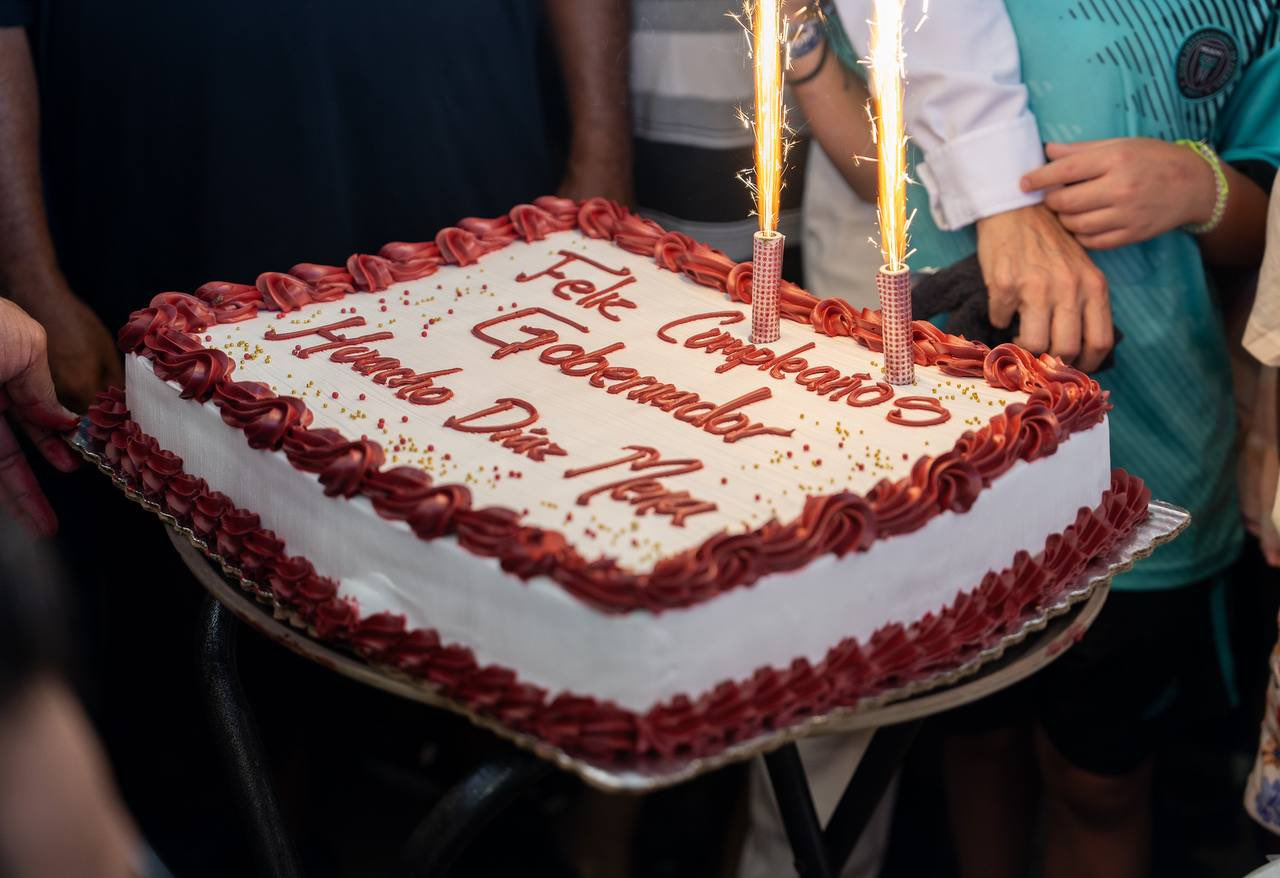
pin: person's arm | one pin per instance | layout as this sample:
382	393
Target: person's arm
1113	193
833	99
591	38
968	112
82	354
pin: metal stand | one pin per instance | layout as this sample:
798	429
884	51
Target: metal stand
466	809
822	853
438	841
240	745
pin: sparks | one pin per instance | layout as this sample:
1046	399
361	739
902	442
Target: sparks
768	27
886	64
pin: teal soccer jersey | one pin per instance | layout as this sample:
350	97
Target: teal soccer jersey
1169	69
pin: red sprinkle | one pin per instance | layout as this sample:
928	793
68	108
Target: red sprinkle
404	419
334	394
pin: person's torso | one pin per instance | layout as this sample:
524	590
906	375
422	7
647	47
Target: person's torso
1164	69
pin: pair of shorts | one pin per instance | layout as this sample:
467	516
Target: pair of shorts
1111	700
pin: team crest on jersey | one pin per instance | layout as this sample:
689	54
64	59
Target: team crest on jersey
1206	62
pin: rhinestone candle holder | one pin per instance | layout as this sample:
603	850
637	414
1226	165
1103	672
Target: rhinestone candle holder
894	288
766	271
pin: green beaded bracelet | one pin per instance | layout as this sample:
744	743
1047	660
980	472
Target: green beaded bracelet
1205	151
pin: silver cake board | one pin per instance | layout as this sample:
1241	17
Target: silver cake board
1038	638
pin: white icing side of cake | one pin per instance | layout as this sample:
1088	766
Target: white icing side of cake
750	481
635	659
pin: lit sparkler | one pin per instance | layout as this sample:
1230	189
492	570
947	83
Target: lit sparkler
893	282
768	37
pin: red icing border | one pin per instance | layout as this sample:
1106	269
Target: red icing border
1062	401
686	725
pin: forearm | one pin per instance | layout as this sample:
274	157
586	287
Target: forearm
27	260
591	38
834	103
1238	241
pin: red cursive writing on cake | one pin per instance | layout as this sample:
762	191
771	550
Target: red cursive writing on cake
826	381
418	388
588	295
510	433
719	419
645	492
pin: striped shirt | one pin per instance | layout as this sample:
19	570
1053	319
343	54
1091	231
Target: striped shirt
690	75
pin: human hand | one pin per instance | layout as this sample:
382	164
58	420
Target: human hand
1034	268
60	813
27	397
82	354
1113	193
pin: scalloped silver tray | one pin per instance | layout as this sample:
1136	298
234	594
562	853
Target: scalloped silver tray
1041	635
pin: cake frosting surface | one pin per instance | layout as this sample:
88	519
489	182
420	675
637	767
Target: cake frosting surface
547	439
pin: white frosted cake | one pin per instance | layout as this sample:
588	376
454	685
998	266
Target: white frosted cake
536	463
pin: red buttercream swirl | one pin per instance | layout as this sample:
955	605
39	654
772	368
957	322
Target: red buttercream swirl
412	261
533	223
342	465
264	417
493	233
370	274
231	302
598	217
176	356
328	282
407	494
460	247
705	265
107	413
283	292
635	234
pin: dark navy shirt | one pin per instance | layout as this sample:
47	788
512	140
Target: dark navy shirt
199	140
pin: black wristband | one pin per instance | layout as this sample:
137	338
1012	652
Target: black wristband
822	62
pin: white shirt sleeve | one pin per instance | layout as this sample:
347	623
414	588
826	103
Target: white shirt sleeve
966	105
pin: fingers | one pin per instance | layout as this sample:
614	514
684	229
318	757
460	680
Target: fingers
1067	327
1099	332
1093	222
1064	171
20	494
30	389
1034	316
1108	240
1002	295
50	443
1060	150
1082	197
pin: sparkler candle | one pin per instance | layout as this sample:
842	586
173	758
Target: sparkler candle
893	281
767	32
766	271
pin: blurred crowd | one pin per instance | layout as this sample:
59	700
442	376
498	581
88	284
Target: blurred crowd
1097	174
